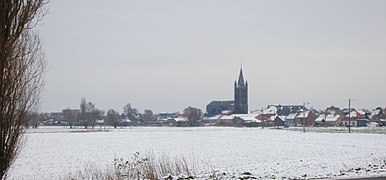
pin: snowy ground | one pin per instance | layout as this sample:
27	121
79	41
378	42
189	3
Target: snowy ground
51	153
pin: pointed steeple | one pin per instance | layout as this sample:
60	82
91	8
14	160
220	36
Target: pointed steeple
241	95
241	78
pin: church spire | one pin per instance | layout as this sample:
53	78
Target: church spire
241	78
241	95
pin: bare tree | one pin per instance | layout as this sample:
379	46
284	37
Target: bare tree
147	116
129	111
113	117
90	115
193	114
22	68
132	113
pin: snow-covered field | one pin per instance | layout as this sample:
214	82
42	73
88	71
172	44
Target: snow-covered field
51	153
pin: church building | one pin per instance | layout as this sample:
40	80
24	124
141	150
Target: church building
241	95
238	106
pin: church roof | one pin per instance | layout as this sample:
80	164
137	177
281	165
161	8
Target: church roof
241	78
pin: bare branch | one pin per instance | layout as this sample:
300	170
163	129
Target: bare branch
22	66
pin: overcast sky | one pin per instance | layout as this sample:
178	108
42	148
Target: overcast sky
167	55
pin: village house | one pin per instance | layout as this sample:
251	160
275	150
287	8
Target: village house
181	121
357	118
329	120
290	119
210	121
162	122
333	116
72	116
307	117
378	116
126	122
227	120
279	121
290	115
265	119
249	120
238	120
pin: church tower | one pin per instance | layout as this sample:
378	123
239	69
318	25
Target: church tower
241	95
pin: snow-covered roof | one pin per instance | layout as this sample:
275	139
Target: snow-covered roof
100	121
291	116
226	112
270	110
181	119
355	114
303	115
361	112
226	117
251	119
243	115
246	117
283	117
255	112
126	120
163	119
212	117
375	112
330	111
327	118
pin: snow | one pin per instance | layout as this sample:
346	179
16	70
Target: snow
181	119
291	116
126	120
270	110
100	121
54	153
356	114
246	117
328	118
226	117
212	118
375	113
303	115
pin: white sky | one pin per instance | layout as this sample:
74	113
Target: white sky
167	55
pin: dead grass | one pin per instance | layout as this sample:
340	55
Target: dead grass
140	166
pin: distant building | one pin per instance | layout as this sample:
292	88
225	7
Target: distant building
279	121
229	120
71	115
217	107
241	95
332	116
329	120
289	109
305	117
377	115
291	115
163	116
354	118
56	116
238	106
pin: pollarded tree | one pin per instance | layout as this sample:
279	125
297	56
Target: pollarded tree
22	66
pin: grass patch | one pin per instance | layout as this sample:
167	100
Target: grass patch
140	167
